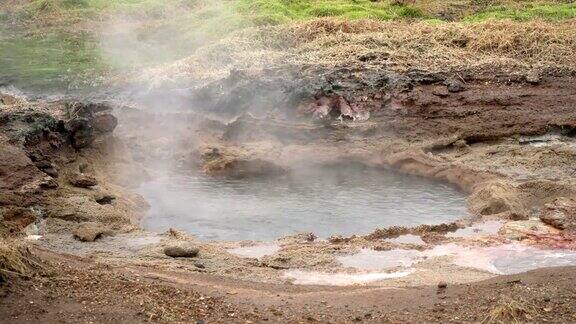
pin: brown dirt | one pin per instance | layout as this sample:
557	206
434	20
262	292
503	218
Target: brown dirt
84	291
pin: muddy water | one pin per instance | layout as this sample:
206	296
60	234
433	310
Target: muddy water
326	201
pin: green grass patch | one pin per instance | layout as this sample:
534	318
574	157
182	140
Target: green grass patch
531	12
51	62
280	11
89	5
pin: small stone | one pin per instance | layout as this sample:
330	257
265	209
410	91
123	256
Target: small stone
441	92
48	183
181	251
89	232
105	123
454	85
533	77
82	180
104	199
442	285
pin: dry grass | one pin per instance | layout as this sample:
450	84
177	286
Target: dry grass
438	46
494	45
16	260
509	310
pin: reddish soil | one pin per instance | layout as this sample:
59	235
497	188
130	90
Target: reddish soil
485	111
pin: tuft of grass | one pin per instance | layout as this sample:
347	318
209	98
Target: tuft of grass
16	260
509	310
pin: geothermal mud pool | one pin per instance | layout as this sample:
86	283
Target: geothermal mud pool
326	200
251	206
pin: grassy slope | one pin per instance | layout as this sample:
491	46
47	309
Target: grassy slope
58	43
282	11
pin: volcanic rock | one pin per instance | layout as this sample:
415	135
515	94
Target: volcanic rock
181	251
86	121
81	132
89	232
47	168
48	183
82	180
494	198
105	123
561	213
454	85
104	199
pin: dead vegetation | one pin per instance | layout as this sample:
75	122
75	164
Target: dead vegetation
16	260
494	45
511	310
438	46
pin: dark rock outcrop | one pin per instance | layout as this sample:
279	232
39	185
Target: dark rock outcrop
87	121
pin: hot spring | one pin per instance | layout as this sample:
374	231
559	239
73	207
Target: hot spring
325	200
